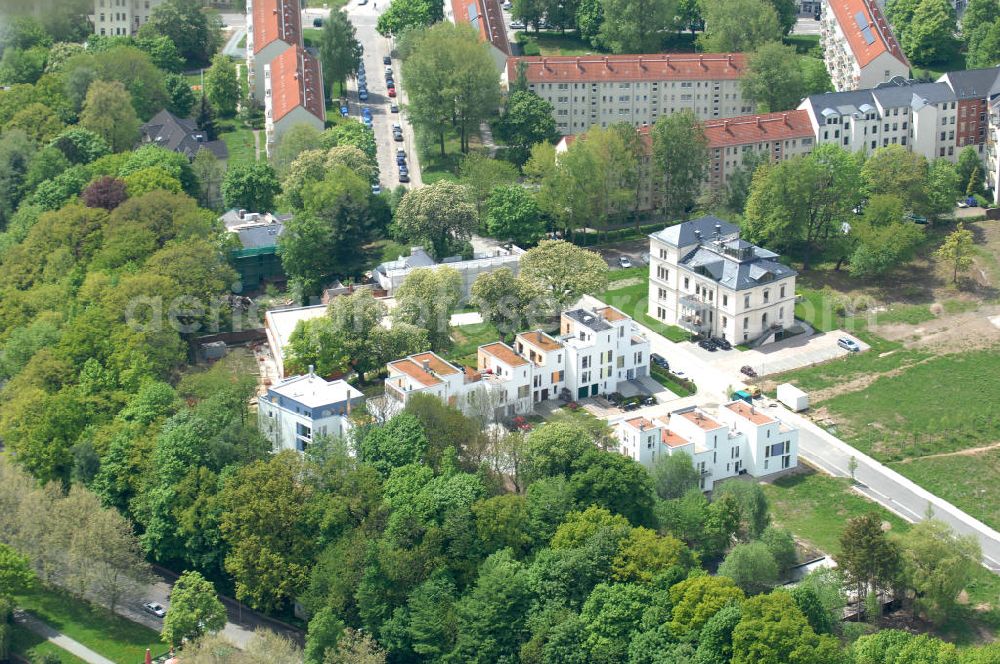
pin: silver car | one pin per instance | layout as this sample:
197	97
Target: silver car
155	609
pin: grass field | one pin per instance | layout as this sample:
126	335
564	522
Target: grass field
33	647
670	383
628	290
467	339
967	481
803	43
116	638
433	165
240	144
554	43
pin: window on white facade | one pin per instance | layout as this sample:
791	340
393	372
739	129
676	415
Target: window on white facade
746	324
746	301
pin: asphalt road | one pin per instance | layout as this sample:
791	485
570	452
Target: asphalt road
376	46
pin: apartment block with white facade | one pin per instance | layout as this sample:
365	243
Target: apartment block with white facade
595	350
605	90
121	17
297	410
859	48
704	278
740	440
293	94
991	155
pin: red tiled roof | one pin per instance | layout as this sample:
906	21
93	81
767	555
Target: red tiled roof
757	128
276	19
610	314
653	67
539	340
504	353
486	17
640	423
741	130
884	41
671	439
415	371
436	364
296	81
703	421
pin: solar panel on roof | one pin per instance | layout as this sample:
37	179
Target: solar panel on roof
866	31
473	13
869	38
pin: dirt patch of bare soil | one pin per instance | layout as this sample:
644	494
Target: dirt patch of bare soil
948	333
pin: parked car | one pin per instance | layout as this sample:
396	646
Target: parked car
386	60
508	5
362	3
366	112
616	398
625	261
392	92
403	170
403	177
388	71
376	188
155	608
747	370
660	361
363	95
848	344
397	136
631	405
344	111
722	343
707	345
389	83
400	159
394	108
367	122
649	401
317	23
517	25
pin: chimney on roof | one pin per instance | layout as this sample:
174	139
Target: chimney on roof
784	118
669	66
578	65
701	61
729	59
545	63
311	369
718	230
607	64
725	125
758	122
642	65
642	425
241	213
538	335
697	235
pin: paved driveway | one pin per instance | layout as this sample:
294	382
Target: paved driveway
795	353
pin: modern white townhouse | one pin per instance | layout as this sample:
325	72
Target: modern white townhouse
608	89
859	48
595	350
121	17
297	410
740	440
704	278
272	27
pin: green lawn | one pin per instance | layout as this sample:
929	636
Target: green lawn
628	290
911	314
467	338
669	382
884	356
33	647
116	638
554	43
935	71
803	43
815	507
240	144
433	165
311	36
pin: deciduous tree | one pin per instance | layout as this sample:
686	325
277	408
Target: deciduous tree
527	119
938	565
564	271
957	251
512	214
339	50
752	567
739	25
870	560
250	186
674	475
426	299
194	609
510	303
774	78
439	214
680	150
631	26
188	27
108	112
481	175
221	86
929	37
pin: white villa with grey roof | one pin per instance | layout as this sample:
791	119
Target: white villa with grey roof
705	279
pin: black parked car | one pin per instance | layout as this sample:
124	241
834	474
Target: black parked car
747	370
723	344
386	60
631	405
649	401
707	345
660	361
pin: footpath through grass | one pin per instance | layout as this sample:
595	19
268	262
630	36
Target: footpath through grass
116	638
32	647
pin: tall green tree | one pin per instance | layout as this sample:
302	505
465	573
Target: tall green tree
674	475
439	215
772	630
956	251
194	609
108	112
221	85
250	186
564	271
883	238
512	214
774	78
409	14
981	31
930	37
636	26
680	151
481	175
968	164
739	25
510	303
426	299
526	119
339	50
752	567
188	26
938	565
181	96
870	560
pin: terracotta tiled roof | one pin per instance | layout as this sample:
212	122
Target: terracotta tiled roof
276	19
745	410
640	423
504	353
654	67
414	371
539	340
296	81
757	128
486	17
671	439
881	38
741	130
702	420
436	364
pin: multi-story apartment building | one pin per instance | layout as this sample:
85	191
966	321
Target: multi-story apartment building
121	17
973	89
293	94
272	27
297	410
991	155
706	279
741	440
859	48
922	117
487	18
731	141
595	350
605	90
